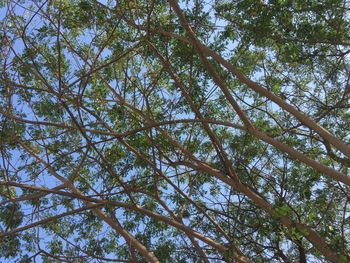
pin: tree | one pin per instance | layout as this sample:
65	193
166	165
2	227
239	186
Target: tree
174	131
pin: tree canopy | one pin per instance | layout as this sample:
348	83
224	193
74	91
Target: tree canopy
174	131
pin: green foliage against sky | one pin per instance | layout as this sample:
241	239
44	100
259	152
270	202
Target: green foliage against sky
174	131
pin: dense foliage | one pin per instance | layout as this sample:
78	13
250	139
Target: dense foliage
174	131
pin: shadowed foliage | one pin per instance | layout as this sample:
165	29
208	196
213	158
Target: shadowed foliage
174	131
